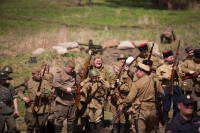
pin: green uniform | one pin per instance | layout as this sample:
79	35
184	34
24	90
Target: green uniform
36	120
64	108
143	92
168	34
7	94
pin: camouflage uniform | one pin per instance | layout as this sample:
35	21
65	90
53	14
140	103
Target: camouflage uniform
7	94
168	34
64	108
36	120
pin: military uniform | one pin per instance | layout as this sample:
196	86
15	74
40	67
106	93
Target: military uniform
95	107
64	108
192	84
7	95
168	34
143	92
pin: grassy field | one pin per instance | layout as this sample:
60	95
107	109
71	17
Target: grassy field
27	25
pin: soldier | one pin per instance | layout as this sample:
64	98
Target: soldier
168	34
164	75
142	93
121	88
192	67
36	115
185	121
9	70
144	55
95	107
64	83
190	53
7	100
121	57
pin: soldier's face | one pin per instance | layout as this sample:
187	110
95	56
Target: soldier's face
144	54
169	59
36	76
186	109
81	73
98	63
191	53
95	78
69	70
122	60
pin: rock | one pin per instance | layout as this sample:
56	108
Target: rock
76	50
110	43
125	45
60	50
69	45
137	43
155	48
38	51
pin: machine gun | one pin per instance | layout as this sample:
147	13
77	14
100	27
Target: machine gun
173	71
95	48
149	58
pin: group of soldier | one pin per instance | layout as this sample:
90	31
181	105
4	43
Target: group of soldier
134	91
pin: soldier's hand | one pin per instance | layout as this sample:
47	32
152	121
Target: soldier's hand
167	77
117	80
68	90
191	72
16	112
199	76
127	67
112	86
109	97
82	83
25	99
90	52
175	68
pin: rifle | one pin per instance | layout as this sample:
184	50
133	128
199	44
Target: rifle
38	99
84	74
189	76
22	83
89	99
149	58
172	74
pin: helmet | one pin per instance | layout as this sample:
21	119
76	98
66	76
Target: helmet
93	73
3	75
8	69
121	56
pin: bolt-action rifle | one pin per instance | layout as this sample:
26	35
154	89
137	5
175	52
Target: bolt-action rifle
173	71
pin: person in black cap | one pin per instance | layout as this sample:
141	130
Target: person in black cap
191	68
190	53
185	121
164	75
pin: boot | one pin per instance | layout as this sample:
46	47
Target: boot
122	128
116	128
58	129
50	126
91	127
70	128
166	118
98	126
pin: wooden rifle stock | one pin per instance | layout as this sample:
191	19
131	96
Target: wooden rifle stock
189	76
172	73
79	87
37	99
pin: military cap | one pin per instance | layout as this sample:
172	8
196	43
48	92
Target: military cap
143	67
188	49
97	56
36	70
143	47
8	68
197	53
3	74
71	63
186	99
148	62
167	54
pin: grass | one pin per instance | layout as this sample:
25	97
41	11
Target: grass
28	25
